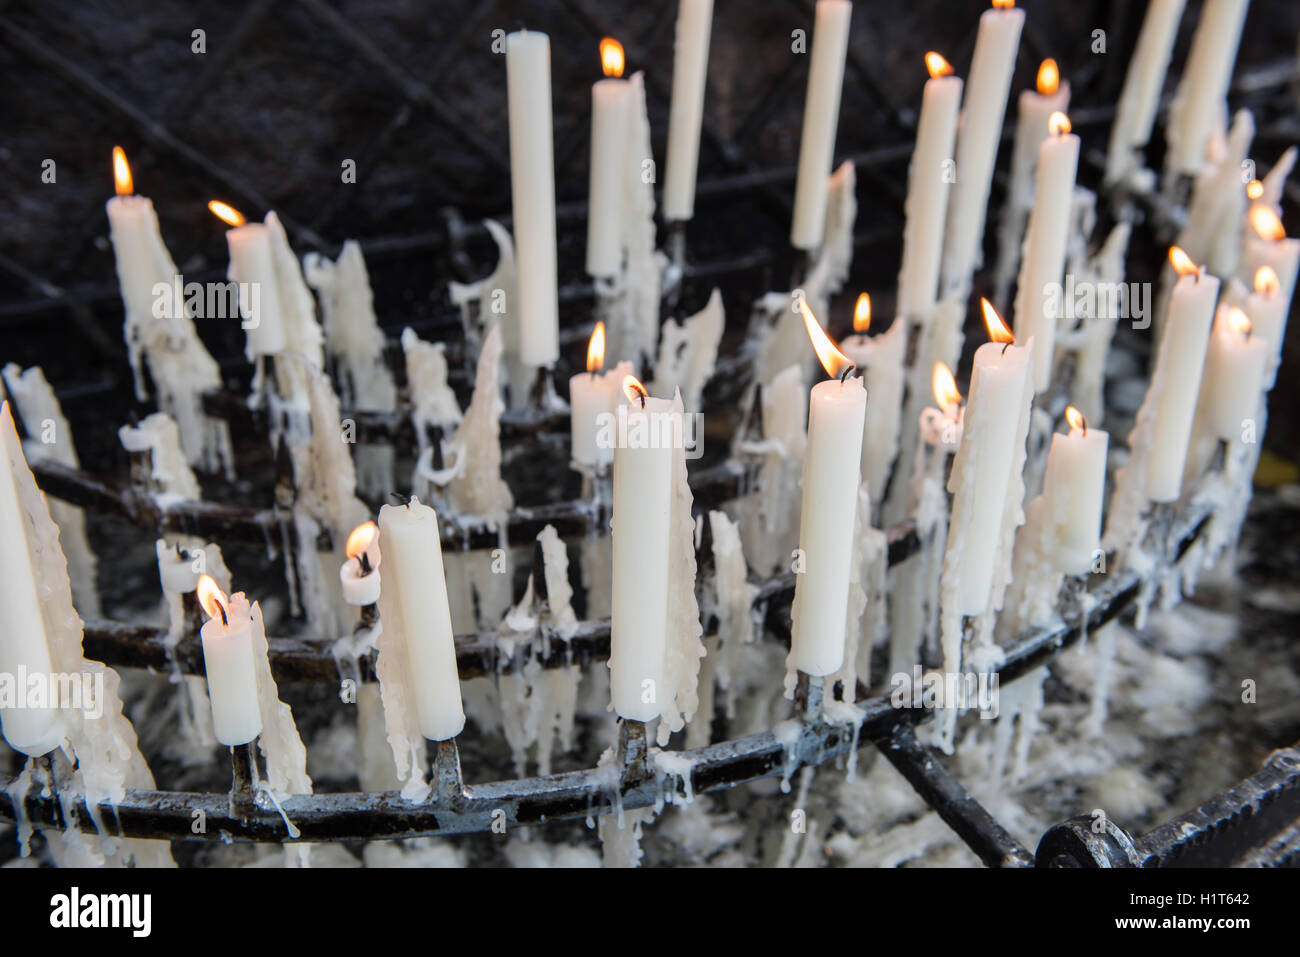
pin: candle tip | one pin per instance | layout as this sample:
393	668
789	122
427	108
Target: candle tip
862	313
997	329
831	358
1049	77
1267	224
1076	419
226	213
937	65
611	57
596	349
122	173
1058	124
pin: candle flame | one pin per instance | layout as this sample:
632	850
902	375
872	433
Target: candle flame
1049	77
1003	4
611	57
1058	124
862	314
832	360
937	65
1239	322
1266	282
998	330
1254	189
211	598
596	349
226	213
1182	262
361	538
1266	222
634	390
122	173
945	387
1076	419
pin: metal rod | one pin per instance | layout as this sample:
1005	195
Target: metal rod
632	750
449	787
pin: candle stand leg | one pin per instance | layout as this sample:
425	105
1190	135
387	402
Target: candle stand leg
449	786
809	691
676	274
632	750
369	616
242	773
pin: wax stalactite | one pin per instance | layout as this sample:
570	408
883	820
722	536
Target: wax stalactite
227	639
359	574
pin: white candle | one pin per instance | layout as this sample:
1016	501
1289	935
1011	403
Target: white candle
611	120
928	181
831	476
1073	483
999	383
1204	84
686	112
1044	264
593	397
359	573
415	608
532	190
880	362
1234	372
1266	244
24	651
176	569
228	660
1034	113
1177	376
821	114
1136	112
1267	310
983	110
252	262
643	473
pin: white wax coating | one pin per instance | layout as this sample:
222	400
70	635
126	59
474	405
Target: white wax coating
880	362
928	185
821	114
232	680
23	646
1074	482
252	260
1178	371
1044	262
611	112
1136	112
686	112
643	472
991	421
1204	84
983	110
412	544
532	190
1267	316
358	589
1234	375
831	475
133	230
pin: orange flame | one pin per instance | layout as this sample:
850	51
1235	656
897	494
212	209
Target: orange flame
1238	322
122	173
1266	282
862	313
937	65
634	390
1076	419
1182	262
361	538
1049	77
211	598
945	387
1058	124
998	330
1254	189
611	57
1003	4
1266	222
596	349
226	213
832	360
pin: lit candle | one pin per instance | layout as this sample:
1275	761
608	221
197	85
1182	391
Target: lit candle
252	261
1034	114
359	573
880	359
821	114
643	476
1176	379
983	110
1267	311
611	113
686	110
1135	114
1266	244
23	647
928	181
227	639
532	190
593	395
1234	372
1073	482
1044	264
837	409
414	610
1204	84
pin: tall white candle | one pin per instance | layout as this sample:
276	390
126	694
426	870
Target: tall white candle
1043	267
1204	85
1234	372
831	475
24	651
414	607
252	262
643	474
1074	481
928	181
821	114
1177	375
686	110
983	110
1267	310
880	362
1033	117
611	120
1135	114
228	660
532	190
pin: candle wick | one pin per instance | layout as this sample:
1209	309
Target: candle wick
847	371
364	561
1005	347
222	608
642	403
